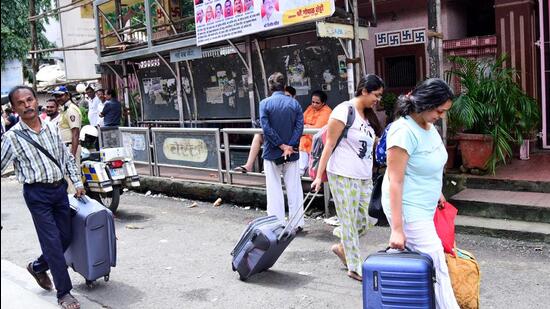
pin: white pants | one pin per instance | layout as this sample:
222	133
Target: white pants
293	185
421	236
304	162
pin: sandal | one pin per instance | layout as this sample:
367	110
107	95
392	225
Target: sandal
354	275
241	169
43	279
68	302
339	251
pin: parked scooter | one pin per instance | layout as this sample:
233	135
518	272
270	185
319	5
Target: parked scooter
105	173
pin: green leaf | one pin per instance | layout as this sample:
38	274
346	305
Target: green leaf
16	29
491	102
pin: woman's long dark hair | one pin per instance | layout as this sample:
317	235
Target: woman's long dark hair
370	83
427	95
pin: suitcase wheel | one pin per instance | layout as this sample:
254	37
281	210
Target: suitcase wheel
106	278
242	278
89	283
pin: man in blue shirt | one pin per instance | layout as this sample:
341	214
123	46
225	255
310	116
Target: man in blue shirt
112	112
282	124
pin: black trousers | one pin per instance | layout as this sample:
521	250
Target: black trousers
49	207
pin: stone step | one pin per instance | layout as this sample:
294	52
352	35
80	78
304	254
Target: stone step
519	230
498	204
479	182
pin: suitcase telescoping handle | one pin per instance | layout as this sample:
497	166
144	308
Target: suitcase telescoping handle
83	199
296	215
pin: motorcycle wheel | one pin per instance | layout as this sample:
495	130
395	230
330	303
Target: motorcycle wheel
109	199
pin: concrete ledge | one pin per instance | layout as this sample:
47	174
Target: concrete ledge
478	182
525	206
204	191
519	230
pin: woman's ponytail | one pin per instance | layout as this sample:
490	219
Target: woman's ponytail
405	105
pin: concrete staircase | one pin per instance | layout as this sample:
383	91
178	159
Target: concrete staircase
514	209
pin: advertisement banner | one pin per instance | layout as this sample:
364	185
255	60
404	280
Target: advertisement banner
218	20
78	26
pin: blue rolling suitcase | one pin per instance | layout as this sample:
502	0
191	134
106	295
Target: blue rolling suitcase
262	243
92	252
404	279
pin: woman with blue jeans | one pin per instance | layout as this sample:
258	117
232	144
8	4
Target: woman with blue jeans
412	185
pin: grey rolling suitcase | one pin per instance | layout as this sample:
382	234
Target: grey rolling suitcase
92	251
262	243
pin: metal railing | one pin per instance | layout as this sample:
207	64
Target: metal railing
244	131
138	140
197	149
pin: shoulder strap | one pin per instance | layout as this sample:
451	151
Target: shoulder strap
349	123
350	120
39	147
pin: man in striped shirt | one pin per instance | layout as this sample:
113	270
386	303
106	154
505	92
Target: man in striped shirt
44	190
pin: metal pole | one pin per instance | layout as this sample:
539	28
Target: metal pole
192	81
227	158
358	66
350	69
148	22
250	80
34	63
262	66
434	7
126	92
543	76
140	95
179	94
435	49
98	31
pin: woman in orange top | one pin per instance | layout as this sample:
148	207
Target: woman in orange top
315	116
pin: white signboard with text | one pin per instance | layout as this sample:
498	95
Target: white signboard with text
78	26
218	20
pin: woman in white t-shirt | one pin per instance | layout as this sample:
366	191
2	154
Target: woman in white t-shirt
349	169
414	178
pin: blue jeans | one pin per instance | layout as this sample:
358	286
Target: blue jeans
51	214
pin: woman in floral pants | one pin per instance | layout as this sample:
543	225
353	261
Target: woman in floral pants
348	163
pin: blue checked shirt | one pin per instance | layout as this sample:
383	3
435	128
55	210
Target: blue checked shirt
30	164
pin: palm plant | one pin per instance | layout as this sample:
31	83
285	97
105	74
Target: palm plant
492	103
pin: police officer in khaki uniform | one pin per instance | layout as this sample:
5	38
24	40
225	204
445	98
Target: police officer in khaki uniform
70	122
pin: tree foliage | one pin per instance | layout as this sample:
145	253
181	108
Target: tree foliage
16	29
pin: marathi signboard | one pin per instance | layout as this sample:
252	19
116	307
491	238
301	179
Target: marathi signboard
218	20
331	30
183	54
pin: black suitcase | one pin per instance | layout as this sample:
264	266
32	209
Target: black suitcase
262	243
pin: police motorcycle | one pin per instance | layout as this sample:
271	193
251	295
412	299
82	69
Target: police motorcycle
105	173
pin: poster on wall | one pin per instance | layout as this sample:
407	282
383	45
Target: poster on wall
159	90
218	20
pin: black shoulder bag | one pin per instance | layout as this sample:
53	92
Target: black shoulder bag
375	204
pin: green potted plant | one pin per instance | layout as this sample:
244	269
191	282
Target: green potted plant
387	103
492	110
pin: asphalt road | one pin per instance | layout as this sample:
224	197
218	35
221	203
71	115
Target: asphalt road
173	256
